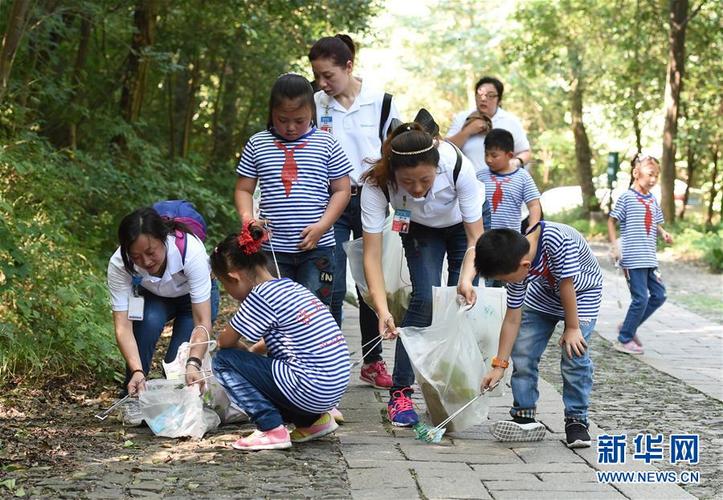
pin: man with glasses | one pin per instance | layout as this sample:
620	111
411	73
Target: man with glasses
468	130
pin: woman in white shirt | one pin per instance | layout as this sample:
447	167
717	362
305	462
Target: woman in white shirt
152	281
444	217
355	113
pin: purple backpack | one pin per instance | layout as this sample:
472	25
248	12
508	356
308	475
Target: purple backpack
184	212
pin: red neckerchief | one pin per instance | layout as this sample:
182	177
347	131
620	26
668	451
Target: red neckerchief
290	170
498	194
647	203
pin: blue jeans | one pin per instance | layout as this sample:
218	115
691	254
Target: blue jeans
535	332
350	223
249	383
425	249
157	311
641	281
313	269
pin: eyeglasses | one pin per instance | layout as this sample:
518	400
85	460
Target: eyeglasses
490	95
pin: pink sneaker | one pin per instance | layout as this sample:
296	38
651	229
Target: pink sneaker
376	374
338	416
323	426
275	439
628	347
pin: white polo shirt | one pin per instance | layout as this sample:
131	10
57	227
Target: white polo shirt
356	128
474	148
179	279
444	205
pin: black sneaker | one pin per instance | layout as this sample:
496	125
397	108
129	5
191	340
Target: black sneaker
518	429
576	433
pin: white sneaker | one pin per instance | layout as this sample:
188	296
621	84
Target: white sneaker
509	430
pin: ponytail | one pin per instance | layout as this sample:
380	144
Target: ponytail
240	251
339	49
407	146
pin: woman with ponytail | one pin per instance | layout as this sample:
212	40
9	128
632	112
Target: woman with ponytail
358	115
305	370
444	215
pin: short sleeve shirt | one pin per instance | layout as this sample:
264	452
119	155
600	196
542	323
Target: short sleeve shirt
310	356
506	194
561	253
639	216
294	179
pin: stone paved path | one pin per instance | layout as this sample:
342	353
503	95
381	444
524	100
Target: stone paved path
387	462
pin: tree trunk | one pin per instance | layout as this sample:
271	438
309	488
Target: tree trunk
11	40
228	115
80	59
678	11
713	192
689	180
136	70
583	153
190	107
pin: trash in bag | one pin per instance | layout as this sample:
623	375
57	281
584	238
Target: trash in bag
448	366
176	410
214	395
397	283
484	318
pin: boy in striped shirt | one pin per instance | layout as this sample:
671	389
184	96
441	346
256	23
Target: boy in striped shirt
551	276
508	187
640	219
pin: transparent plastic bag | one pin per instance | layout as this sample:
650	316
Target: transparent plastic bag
397	283
172	409
484	318
448	365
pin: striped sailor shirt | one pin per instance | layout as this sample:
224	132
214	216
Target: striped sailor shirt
506	194
561	253
294	181
310	356
639	216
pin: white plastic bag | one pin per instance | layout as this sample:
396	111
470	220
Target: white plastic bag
173	409
484	318
448	366
397	283
214	395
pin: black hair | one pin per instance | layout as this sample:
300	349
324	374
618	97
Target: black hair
339	48
291	86
406	138
496	83
499	251
229	254
499	138
146	221
637	160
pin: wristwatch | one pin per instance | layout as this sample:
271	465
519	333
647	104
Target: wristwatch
499	363
522	163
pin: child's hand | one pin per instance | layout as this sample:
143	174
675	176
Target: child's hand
573	342
667	237
492	377
310	236
615	251
387	328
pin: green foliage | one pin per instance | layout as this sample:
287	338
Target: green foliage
592	227
693	240
71	166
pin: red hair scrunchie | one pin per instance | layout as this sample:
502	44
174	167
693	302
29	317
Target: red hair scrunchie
246	241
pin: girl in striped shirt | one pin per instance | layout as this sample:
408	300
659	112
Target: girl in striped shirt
305	370
303	174
640	218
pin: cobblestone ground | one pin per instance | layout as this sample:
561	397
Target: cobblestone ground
75	456
631	396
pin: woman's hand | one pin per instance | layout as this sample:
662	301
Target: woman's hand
137	383
194	376
387	328
466	290
476	126
492	377
310	236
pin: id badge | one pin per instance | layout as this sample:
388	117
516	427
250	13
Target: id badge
325	123
135	307
402	219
